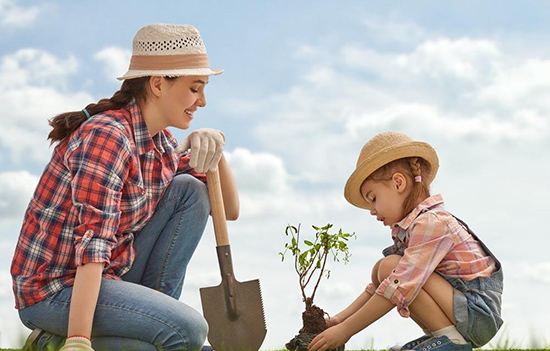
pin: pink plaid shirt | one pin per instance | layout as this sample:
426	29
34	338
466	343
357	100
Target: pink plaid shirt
431	240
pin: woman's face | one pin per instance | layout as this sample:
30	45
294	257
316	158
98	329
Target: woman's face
180	99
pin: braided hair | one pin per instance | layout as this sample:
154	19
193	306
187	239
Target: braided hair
66	123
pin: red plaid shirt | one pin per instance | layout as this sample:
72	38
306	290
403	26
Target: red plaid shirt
431	240
101	186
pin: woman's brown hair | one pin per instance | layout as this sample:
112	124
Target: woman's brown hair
66	123
411	167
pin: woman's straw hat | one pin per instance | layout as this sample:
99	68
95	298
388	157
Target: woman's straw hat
168	50
381	150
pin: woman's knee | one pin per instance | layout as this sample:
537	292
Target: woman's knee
386	266
196	330
192	191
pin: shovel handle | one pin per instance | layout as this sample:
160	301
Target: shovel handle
216	207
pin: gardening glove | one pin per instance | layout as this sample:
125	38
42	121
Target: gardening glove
77	343
206	148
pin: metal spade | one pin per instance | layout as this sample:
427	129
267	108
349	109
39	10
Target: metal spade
234	310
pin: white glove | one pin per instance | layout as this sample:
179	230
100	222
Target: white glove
77	343
206	148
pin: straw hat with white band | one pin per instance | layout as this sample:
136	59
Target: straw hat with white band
168	50
381	150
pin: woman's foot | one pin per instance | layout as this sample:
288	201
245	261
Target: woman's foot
30	344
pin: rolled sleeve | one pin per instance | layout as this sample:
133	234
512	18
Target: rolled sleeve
98	165
392	290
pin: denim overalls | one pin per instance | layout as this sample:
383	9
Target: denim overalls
477	303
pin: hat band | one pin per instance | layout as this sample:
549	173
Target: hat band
168	62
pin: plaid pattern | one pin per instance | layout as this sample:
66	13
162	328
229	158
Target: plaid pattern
101	186
430	239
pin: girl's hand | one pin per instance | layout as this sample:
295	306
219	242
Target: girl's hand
77	344
330	338
332	321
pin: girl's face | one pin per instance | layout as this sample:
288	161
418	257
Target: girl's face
386	198
180	99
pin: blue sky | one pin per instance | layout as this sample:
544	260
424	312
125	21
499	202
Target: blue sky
306	84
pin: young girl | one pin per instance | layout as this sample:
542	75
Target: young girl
437	272
118	212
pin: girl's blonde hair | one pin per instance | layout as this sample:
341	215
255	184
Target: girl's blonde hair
411	167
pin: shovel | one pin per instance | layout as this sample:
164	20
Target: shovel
234	310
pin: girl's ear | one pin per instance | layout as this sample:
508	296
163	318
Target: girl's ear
399	182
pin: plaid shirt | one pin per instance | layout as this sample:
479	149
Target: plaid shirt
101	186
430	239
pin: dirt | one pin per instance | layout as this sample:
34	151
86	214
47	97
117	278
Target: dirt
313	319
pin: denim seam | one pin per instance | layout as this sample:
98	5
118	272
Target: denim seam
161	283
129	310
148	316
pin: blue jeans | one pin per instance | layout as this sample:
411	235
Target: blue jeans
142	311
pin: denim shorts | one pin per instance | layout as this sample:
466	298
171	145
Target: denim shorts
477	303
477	307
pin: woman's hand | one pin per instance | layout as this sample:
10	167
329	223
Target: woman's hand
206	148
76	343
331	338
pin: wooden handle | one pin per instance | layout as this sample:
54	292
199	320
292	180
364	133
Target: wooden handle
216	207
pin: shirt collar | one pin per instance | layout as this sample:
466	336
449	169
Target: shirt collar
143	140
428	204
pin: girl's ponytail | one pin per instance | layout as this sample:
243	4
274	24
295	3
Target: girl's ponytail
66	123
420	190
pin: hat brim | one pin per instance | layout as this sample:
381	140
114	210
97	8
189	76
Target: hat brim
352	190
172	73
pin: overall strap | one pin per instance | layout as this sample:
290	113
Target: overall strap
465	226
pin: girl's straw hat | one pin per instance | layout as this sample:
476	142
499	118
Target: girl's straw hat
168	50
381	150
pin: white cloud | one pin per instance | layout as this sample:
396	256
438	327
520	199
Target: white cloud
538	272
398	31
32	90
258	172
16	189
13	15
116	61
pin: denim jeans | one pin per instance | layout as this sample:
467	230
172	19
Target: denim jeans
142	311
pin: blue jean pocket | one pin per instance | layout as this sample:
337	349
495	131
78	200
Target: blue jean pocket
485	320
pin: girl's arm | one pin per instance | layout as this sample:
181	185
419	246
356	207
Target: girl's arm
84	299
331	338
359	302
229	190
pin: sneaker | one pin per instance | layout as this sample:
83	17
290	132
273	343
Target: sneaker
411	344
34	336
442	343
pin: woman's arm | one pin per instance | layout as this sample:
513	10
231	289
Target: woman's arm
84	299
229	190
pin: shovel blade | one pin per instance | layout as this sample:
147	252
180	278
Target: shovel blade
240	327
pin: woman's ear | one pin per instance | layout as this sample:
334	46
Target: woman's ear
155	85
399	182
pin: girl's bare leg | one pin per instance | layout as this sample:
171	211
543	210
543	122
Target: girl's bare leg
433	307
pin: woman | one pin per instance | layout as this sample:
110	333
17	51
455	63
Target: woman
118	211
